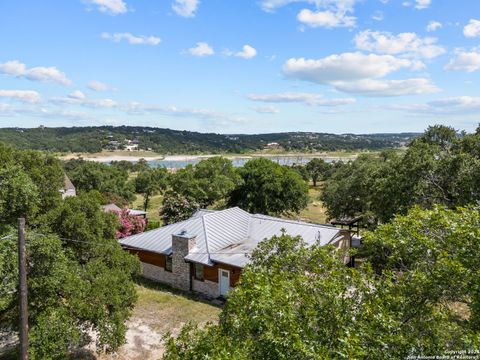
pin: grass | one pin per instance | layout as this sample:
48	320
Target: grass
153	206
315	212
166	309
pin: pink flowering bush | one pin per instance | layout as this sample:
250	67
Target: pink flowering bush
129	224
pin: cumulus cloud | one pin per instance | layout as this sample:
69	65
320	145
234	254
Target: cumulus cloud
370	87
111	7
132	39
445	106
97	85
28	96
247	52
346	67
327	13
434	26
464	61
266	110
186	8
298	97
202	49
327	19
39	73
472	29
405	44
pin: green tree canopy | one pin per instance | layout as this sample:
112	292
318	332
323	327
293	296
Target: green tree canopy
317	169
269	188
440	167
207	182
151	182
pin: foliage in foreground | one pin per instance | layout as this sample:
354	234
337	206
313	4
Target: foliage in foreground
295	302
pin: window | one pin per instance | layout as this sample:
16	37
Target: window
168	263
198	272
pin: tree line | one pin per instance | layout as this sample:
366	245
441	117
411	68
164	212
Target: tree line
167	141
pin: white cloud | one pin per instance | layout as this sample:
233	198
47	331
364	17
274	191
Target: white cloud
97	85
266	110
111	7
434	26
186	8
327	19
445	106
346	67
132	39
306	98
422	4
39	73
80	99
464	61
369	87
29	96
377	15
406	44
472	29
327	13
202	49
247	52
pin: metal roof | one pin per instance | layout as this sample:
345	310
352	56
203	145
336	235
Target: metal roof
228	236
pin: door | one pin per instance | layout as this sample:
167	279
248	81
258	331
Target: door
223	281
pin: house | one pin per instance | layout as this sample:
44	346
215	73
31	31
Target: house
115	208
68	188
207	252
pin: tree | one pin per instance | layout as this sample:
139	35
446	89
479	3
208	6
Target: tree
19	196
151	182
176	208
439	167
208	182
269	188
318	169
111	181
299	302
67	300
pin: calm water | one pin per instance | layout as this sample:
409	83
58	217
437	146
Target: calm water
282	160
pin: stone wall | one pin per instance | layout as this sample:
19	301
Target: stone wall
157	273
208	288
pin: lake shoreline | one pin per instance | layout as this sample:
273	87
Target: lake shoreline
196	158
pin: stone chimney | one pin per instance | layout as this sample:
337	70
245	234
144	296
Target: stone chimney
182	243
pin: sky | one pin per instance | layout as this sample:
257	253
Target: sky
241	66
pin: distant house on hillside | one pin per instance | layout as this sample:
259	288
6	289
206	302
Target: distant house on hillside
68	188
273	145
207	252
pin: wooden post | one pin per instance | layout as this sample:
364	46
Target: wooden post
22	272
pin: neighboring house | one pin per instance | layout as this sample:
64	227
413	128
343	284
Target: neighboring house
115	208
68	188
206	253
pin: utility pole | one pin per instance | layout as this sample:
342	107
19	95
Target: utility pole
22	271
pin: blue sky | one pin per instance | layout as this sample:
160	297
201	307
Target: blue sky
242	66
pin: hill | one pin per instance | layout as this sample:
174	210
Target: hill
167	141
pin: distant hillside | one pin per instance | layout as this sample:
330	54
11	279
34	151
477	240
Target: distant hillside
166	141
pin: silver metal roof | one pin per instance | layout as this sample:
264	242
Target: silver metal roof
228	236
